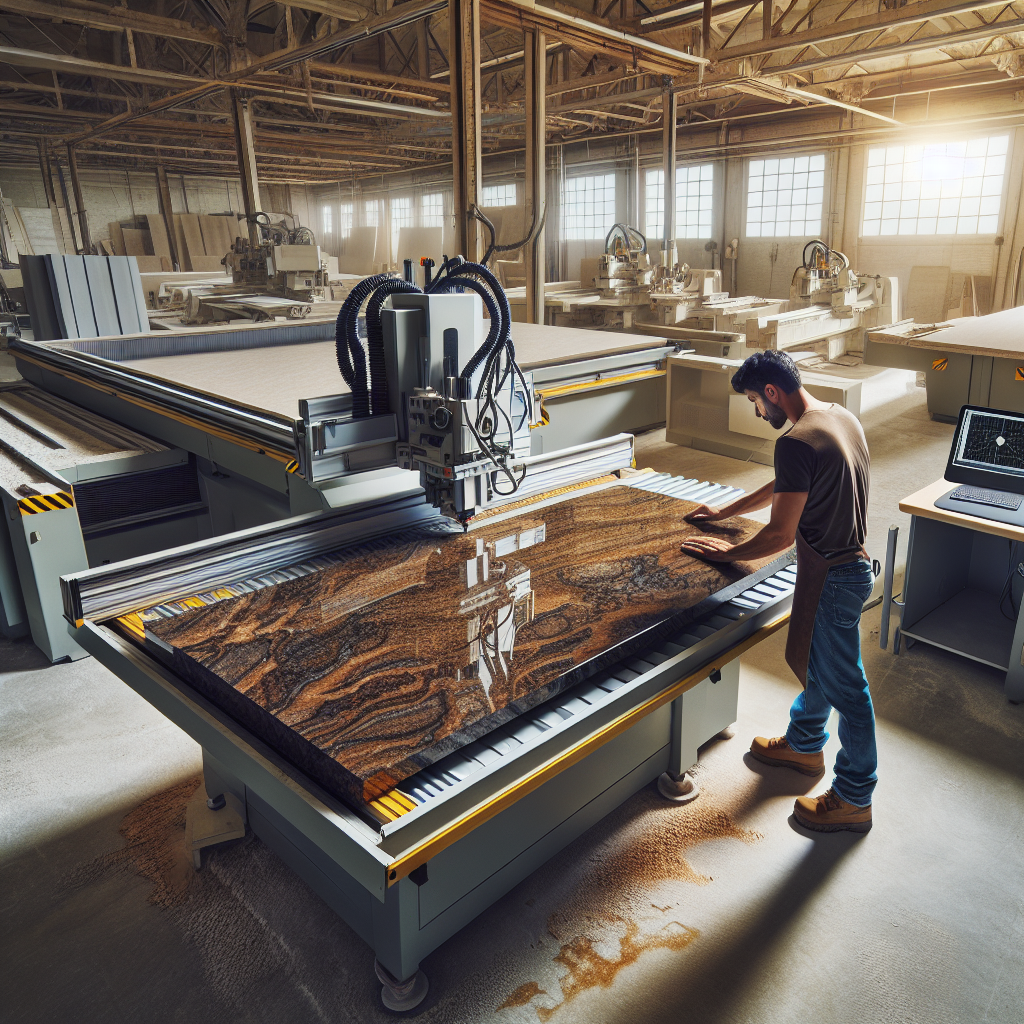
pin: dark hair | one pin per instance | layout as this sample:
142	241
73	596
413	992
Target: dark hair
767	367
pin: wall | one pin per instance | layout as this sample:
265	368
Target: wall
120	195
844	139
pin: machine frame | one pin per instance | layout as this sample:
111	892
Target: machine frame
407	885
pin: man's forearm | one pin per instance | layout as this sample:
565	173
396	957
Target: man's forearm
761	498
765	542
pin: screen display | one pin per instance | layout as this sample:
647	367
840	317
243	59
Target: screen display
991	441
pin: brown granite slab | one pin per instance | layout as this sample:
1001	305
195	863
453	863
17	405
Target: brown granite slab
364	672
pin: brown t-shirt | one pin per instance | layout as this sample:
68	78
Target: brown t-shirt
826	455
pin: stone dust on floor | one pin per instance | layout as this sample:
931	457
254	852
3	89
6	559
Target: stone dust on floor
717	911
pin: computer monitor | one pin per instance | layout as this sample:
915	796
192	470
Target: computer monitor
988	449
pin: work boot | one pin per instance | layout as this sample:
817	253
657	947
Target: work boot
831	813
778	752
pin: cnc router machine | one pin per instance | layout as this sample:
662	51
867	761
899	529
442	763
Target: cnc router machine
452	680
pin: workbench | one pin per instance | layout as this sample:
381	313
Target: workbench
976	360
704	412
957	568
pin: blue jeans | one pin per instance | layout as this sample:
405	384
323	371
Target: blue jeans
835	679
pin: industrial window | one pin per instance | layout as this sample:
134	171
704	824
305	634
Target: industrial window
432	210
371	210
345	212
499	195
785	197
401	217
654	204
694	191
327	220
948	188
589	207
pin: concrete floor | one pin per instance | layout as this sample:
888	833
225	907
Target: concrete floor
719	911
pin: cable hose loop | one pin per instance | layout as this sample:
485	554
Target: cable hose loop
346	333
375	340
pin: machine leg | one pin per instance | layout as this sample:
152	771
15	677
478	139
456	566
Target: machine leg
211	821
400	996
680	789
677	784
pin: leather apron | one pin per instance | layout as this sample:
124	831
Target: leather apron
811	571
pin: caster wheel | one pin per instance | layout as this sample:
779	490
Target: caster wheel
401	996
679	791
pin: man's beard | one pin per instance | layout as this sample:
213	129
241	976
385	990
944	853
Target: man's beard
775	416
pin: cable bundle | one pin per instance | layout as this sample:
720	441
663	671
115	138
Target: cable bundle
496	355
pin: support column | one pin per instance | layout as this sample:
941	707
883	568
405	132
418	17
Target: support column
464	62
246	150
705	29
61	227
536	113
44	168
422	52
164	193
766	19
76	189
669	111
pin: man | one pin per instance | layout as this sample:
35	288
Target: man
819	498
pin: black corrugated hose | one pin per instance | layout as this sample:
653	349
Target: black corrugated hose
375	340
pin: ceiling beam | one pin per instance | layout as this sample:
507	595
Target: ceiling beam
773	89
690	12
592	36
113	19
279	60
335	9
940	41
354	72
71	65
912	14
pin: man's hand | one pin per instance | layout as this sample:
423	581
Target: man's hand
711	549
705	514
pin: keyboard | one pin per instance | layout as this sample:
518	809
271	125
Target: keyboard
983	496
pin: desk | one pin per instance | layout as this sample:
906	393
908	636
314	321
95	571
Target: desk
957	567
968	361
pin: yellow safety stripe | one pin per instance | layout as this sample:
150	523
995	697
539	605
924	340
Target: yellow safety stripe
36	503
292	467
601	382
133	624
391	805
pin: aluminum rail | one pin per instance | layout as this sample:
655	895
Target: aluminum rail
264	432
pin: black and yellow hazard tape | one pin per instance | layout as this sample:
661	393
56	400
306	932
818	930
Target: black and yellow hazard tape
37	503
940	364
292	467
391	805
1019	375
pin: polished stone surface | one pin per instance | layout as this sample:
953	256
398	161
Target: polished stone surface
367	671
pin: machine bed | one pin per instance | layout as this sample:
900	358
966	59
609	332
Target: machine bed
411	868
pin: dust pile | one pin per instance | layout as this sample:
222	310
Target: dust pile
522	995
261	936
154	847
587	968
604	922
